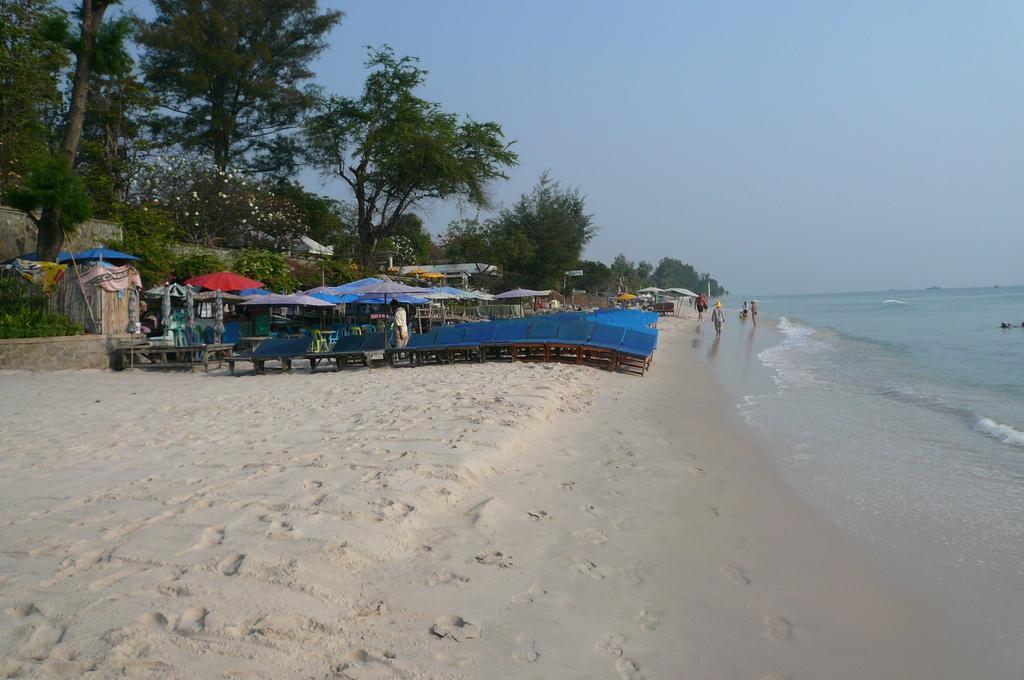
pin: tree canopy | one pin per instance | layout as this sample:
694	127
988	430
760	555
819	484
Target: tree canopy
395	150
233	75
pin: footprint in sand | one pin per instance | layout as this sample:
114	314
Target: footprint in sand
211	536
20	611
494	558
611	645
735	574
591	535
587	568
568	486
154	620
648	619
44	638
454	627
446	577
192	621
711	510
230	565
628	669
538	515
312	484
590	510
778	628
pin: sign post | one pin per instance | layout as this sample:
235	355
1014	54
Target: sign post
570	273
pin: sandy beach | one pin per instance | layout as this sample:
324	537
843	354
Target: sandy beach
467	521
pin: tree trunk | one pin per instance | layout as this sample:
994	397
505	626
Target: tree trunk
51	235
368	254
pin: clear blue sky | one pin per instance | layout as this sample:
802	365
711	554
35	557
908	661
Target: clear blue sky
782	146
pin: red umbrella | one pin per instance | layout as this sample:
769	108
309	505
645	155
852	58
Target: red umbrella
226	281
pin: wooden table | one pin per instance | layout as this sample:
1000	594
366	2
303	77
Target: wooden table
249	342
150	356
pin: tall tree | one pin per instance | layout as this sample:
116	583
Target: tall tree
542	235
31	65
395	150
94	46
233	73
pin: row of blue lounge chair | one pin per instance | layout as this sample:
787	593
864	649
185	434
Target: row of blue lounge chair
609	346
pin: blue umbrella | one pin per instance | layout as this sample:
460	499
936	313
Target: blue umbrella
327	297
99	254
63	256
356	286
254	291
381	299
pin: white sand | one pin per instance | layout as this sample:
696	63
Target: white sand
461	521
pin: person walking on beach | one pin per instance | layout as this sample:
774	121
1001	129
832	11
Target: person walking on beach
718	318
753	311
702	305
744	312
401	327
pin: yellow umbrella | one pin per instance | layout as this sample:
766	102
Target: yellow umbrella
416	272
432	275
627	296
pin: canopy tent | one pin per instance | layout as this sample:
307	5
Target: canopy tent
441	295
521	293
330	290
226	281
210	295
355	286
375	299
175	290
682	291
294	300
651	289
479	295
249	292
326	297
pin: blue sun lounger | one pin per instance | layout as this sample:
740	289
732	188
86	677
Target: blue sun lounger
569	341
534	346
605	341
444	339
471	346
273	349
417	342
634	356
505	334
344	347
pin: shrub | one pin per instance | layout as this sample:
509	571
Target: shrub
24	315
195	264
149	233
270	269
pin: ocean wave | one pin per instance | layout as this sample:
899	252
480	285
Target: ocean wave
893	302
1003	433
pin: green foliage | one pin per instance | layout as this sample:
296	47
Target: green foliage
198	263
270	269
149	233
467	241
233	73
395	150
597	277
541	236
325	218
31	68
23	315
673	273
51	184
410	242
330	272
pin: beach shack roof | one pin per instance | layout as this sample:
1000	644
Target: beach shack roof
458	269
682	291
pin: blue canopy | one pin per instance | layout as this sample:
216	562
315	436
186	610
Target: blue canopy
356	286
63	256
327	297
254	291
378	299
100	254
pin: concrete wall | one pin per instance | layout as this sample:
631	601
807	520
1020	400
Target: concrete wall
52	354
18	234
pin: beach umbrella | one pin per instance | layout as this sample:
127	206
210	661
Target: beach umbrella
176	290
651	289
165	306
520	293
99	254
326	297
218	317
254	291
625	297
294	300
356	286
133	311
190	311
374	299
228	281
389	288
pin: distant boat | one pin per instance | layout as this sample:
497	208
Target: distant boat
934	288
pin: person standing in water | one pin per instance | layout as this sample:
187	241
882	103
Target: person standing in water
718	318
753	311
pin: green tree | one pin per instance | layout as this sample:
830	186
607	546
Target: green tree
52	185
31	65
97	47
597	277
270	269
410	241
643	273
196	263
395	150
149	234
673	273
467	240
232	75
623	273
541	236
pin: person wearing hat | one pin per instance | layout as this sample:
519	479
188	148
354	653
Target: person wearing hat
718	317
401	327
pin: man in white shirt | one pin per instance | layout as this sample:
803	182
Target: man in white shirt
401	326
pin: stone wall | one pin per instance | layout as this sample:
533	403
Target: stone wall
18	234
52	354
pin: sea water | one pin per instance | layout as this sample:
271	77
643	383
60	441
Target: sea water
900	415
